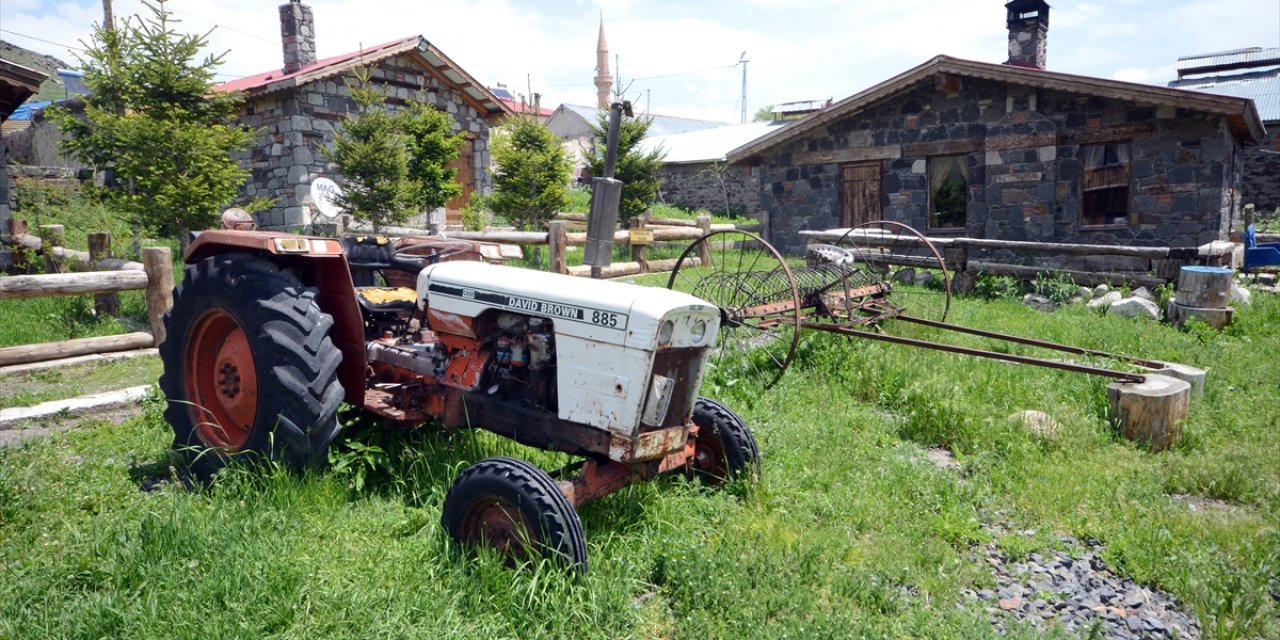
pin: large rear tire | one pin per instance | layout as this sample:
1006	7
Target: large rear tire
516	508
249	368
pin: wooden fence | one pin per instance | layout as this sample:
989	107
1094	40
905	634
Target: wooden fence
154	275
561	234
1164	263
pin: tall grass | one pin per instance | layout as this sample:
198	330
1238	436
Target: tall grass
850	532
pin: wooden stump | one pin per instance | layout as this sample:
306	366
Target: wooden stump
1214	317
158	263
1150	413
100	249
1205	287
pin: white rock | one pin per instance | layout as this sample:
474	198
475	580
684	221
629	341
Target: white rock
1144	293
1039	422
1085	293
1100	290
1136	308
1105	299
1241	295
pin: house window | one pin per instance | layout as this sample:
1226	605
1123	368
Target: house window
948	182
1105	197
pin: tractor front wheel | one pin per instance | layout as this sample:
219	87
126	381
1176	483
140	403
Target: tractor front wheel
249	367
516	508
725	447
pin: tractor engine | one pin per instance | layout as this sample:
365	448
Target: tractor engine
542	349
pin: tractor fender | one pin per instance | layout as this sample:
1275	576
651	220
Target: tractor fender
316	262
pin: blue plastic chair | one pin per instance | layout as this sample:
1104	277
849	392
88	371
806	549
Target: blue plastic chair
1259	255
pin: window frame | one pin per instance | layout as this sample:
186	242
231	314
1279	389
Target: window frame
962	160
1122	150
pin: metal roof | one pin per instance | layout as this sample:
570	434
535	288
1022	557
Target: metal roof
660	125
706	145
1263	87
1227	60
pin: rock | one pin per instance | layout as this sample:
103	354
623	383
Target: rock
1144	293
1039	303
1265	279
1100	290
1105	299
1039	422
1009	604
1084	293
1075	300
1241	295
1136	308
906	276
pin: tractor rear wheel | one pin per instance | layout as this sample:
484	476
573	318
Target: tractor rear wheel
249	367
516	508
725	447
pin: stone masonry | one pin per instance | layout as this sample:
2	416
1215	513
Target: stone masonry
1022	149
711	186
1261	186
296	128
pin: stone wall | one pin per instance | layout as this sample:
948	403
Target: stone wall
699	186
1021	147
1261	186
296	127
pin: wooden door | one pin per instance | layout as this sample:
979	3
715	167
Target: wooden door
860	193
465	166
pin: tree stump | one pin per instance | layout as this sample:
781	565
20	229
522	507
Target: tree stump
1150	413
1207	287
1188	374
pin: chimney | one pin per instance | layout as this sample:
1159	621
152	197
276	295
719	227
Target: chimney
1028	32
298	35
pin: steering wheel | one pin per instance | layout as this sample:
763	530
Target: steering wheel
444	249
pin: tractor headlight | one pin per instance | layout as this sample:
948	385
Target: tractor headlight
698	332
664	333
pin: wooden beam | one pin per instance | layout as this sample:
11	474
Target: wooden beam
62	284
1086	278
78	347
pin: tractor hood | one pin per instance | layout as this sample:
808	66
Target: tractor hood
600	310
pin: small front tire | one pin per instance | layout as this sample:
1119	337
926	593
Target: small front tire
516	508
725	447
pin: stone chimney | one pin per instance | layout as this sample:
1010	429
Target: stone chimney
298	35
1028	32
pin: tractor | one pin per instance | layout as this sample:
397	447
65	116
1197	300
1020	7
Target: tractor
270	333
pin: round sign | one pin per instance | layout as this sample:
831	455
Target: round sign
325	194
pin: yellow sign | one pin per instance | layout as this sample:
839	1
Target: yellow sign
641	236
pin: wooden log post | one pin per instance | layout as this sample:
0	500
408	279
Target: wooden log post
1248	215
558	238
1150	413
158	264
704	248
100	249
24	354
53	235
638	250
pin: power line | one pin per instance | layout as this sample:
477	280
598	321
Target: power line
56	44
223	26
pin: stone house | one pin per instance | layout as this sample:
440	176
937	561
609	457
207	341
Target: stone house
296	108
17	83
1252	73
1011	151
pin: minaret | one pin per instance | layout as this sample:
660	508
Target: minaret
604	81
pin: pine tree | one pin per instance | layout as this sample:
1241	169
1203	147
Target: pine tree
531	182
637	171
153	121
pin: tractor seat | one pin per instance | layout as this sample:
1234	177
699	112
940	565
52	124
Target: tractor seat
384	299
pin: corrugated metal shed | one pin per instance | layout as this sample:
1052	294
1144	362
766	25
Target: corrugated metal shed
661	126
706	145
1243	73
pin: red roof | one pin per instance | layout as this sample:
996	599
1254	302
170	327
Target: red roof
524	109
427	54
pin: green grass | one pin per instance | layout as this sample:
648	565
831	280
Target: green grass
850	532
34	387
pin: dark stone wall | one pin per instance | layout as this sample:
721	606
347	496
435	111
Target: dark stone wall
1261	186
1021	146
296	128
708	185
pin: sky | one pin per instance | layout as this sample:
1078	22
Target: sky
681	58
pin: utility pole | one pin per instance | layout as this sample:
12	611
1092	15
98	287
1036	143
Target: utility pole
742	60
108	22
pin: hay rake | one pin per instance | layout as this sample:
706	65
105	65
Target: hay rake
877	279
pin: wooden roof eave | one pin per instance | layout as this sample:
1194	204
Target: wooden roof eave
1240	111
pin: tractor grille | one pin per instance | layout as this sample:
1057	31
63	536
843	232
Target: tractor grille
681	365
